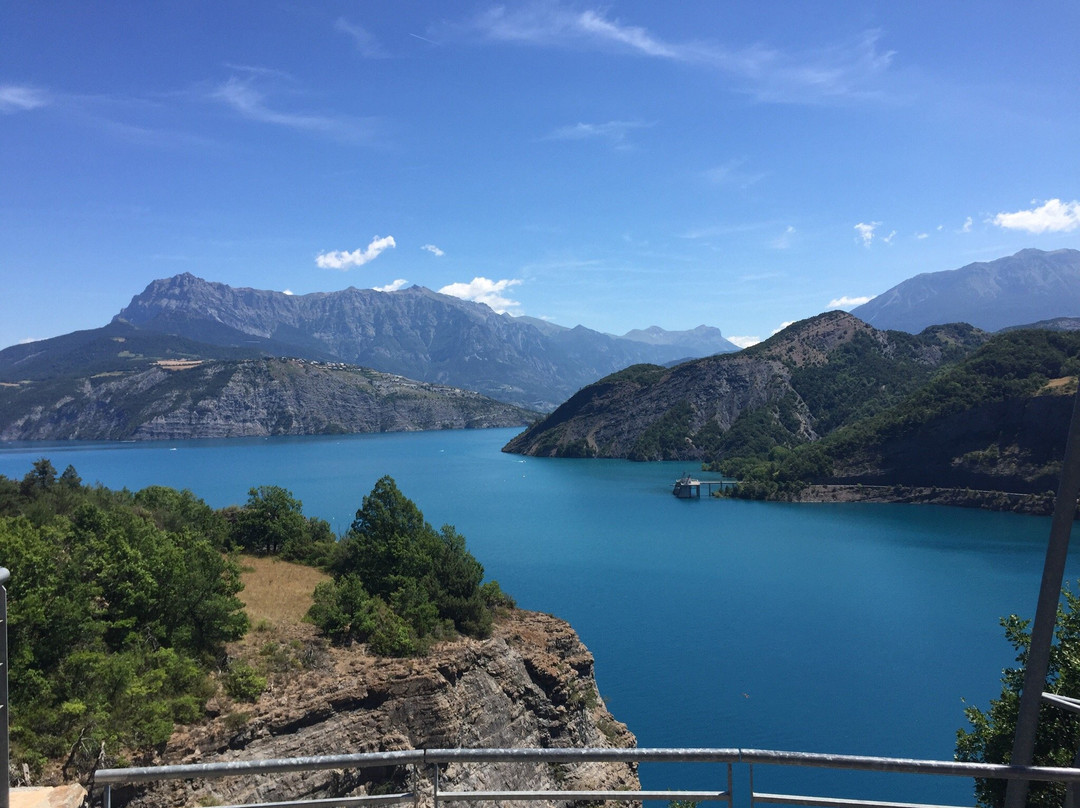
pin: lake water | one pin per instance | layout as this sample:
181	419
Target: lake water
846	628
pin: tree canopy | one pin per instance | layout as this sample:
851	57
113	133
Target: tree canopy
990	737
399	583
118	605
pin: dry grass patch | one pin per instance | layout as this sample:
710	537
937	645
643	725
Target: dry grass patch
277	592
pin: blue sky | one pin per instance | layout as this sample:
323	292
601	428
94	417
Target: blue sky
617	165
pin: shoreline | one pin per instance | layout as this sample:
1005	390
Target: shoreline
1031	504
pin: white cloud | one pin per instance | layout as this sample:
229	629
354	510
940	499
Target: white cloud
344	260
431	248
1054	216
400	283
966	226
866	232
922	236
783	326
365	43
744	342
847	69
888	239
15	98
615	132
287	292
846	302
483	290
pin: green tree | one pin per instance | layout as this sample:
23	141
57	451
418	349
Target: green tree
399	583
990	738
271	519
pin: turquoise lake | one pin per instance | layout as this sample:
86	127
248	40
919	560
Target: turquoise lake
847	628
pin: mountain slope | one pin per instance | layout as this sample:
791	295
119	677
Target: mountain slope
1029	286
217	399
996	420
795	387
413	332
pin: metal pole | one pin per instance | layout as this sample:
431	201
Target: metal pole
4	743
1042	631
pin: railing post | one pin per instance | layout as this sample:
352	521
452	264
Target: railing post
435	786
1042	629
5	750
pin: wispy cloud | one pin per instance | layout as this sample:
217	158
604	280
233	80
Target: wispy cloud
865	231
483	290
1053	216
966	226
400	283
732	173
846	302
241	94
847	69
614	132
431	248
784	240
20	98
344	260
366	44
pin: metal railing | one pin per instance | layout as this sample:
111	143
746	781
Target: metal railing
430	760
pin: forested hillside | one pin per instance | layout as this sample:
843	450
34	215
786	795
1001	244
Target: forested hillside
996	420
794	388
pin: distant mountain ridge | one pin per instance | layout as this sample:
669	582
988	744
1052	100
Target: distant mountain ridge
1027	287
413	332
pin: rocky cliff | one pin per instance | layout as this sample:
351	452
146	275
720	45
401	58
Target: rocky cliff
531	684
219	399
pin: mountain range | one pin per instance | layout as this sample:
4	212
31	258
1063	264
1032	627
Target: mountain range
412	332
1027	287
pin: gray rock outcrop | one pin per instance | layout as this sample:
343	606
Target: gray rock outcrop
529	685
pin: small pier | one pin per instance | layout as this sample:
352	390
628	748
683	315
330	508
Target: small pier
687	487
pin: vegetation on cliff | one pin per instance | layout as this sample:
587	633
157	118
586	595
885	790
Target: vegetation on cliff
399	584
121	604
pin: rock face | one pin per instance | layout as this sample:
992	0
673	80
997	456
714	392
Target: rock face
529	685
1024	288
224	399
412	332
